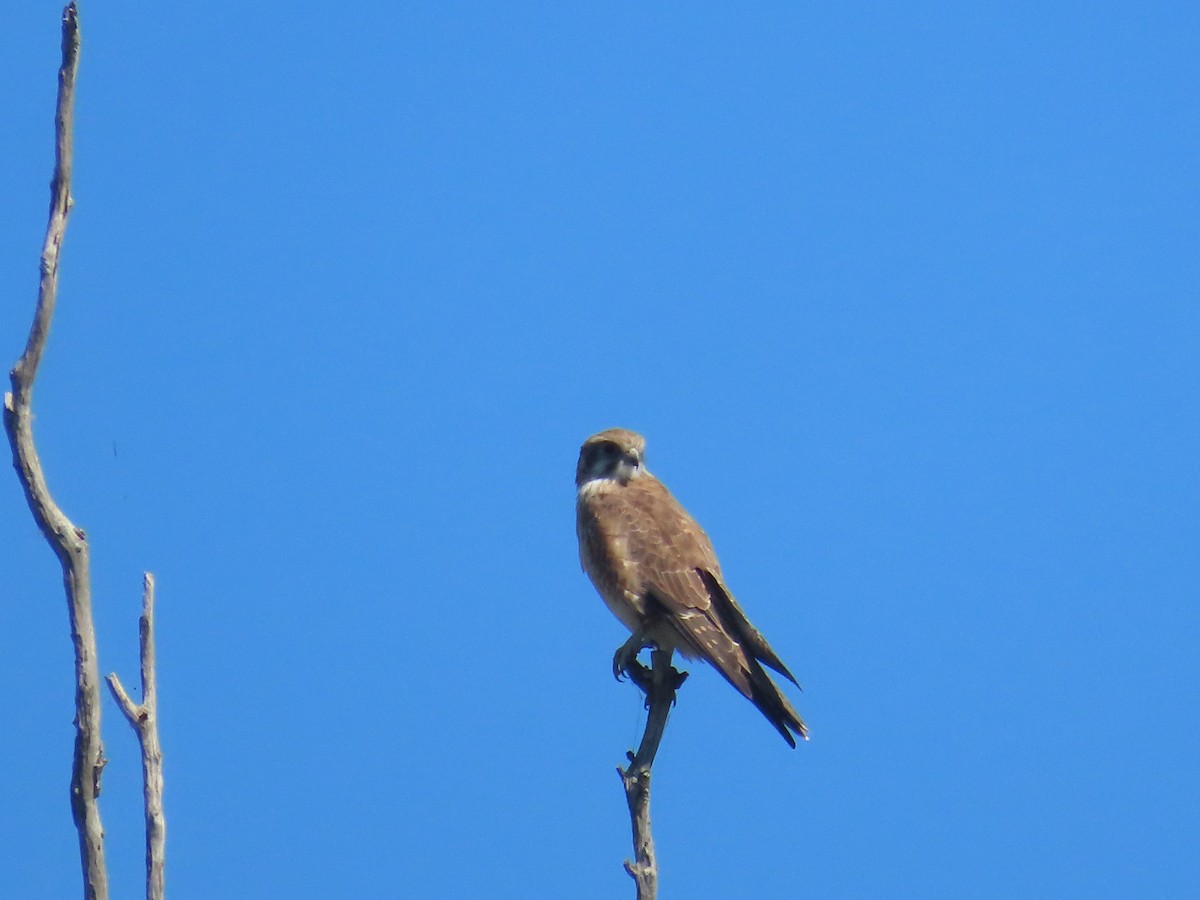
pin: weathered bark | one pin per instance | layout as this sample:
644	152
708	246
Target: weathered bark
660	684
68	541
144	719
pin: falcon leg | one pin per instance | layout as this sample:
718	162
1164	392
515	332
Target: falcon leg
625	661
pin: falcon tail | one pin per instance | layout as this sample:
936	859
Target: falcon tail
774	705
758	686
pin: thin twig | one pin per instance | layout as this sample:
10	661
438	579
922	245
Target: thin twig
68	541
144	719
660	685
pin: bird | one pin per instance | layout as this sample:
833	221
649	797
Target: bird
657	572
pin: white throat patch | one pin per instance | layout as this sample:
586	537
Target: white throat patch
597	486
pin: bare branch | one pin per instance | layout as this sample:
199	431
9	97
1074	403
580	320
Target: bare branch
144	719
67	540
660	684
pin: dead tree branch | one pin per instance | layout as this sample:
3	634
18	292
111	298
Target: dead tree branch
68	541
660	684
144	719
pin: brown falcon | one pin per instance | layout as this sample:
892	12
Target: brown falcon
656	570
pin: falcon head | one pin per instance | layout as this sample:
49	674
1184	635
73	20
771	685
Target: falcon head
613	455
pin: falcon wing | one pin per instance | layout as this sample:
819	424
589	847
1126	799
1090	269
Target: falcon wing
683	580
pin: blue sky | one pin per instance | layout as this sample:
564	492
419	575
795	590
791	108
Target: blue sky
903	296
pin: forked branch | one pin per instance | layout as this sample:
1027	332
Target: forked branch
144	719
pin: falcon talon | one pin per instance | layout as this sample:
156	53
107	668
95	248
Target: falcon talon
640	676
674	680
